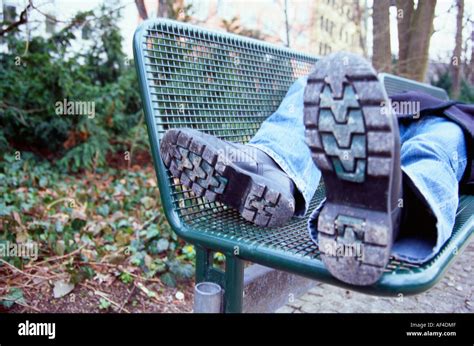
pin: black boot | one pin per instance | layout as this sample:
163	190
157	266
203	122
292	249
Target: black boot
354	140
238	175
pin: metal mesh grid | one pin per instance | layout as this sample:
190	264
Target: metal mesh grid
464	214
226	86
395	84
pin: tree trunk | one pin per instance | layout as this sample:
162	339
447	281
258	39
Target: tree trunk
360	19
405	9
421	29
287	24
163	8
456	60
382	52
141	9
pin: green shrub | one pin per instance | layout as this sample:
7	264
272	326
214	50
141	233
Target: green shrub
40	75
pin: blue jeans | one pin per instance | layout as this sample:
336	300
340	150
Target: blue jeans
433	156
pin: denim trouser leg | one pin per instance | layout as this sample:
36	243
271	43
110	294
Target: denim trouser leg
433	157
282	137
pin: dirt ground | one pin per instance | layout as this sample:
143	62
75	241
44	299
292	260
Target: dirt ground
110	295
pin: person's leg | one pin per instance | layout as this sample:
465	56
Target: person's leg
354	141
267	180
281	136
433	158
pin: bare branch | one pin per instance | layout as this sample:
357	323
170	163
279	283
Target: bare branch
23	19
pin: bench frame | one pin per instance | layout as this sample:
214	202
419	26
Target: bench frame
400	279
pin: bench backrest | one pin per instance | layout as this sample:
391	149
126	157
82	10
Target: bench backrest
220	83
394	85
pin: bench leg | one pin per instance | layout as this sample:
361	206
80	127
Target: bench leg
231	281
234	284
203	263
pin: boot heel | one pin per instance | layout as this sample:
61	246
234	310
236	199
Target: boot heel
355	242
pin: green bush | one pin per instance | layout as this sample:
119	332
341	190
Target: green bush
445	82
38	75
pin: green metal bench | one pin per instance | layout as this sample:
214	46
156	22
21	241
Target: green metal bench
227	85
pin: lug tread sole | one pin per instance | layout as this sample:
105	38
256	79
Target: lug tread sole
350	136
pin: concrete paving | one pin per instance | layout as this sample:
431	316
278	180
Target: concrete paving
454	293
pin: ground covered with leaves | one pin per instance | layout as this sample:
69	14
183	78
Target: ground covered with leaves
81	227
95	241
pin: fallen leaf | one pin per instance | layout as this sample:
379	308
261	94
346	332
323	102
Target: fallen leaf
168	279
60	247
62	288
148	292
114	258
78	214
15	295
17	219
162	245
116	216
148	202
104	278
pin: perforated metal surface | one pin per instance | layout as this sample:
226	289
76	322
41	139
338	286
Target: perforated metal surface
394	85
227	86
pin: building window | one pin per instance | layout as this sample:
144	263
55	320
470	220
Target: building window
9	13
50	24
86	31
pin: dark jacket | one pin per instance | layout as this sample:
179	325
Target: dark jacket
460	113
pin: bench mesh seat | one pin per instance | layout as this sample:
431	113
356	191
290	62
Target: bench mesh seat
227	85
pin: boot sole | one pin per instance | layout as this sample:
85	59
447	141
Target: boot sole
200	165
351	138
